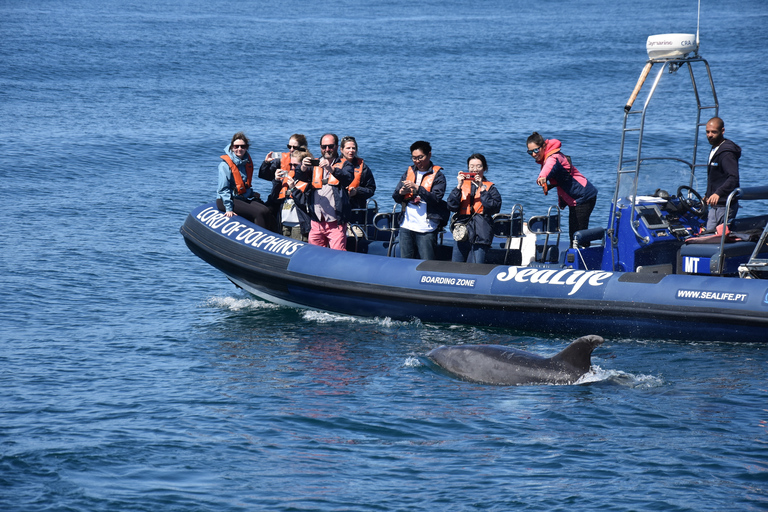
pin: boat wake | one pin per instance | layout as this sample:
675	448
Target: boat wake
239	303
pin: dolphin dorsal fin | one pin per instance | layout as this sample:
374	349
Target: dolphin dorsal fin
579	353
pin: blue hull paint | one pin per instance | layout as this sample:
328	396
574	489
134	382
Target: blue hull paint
541	300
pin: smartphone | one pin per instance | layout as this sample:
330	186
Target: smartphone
277	155
314	161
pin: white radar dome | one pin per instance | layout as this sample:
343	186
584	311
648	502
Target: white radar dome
671	46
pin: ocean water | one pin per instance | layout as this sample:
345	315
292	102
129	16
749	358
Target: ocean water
135	377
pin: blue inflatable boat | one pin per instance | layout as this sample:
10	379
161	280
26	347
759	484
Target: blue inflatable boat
650	273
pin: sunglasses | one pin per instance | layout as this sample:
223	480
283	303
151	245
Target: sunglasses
327	146
292	147
534	151
238	146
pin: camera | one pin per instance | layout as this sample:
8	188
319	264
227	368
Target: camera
276	155
469	175
314	161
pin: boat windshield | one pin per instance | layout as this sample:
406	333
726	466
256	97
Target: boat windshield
659	174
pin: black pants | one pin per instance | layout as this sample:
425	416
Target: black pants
578	216
254	211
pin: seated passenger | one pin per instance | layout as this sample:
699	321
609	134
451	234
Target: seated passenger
294	220
323	192
573	189
475	201
420	192
363	185
235	195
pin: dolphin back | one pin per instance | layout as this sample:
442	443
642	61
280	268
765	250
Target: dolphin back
501	365
578	355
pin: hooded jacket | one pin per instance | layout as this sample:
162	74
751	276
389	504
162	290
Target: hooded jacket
723	171
572	186
227	187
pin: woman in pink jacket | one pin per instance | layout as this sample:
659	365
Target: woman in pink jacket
573	189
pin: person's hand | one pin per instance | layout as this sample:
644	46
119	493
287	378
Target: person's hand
230	214
479	183
324	162
306	163
459	179
352	192
713	199
268	158
542	182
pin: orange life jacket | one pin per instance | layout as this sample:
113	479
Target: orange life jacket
358	174
284	188
317	177
473	204
285	162
241	187
426	181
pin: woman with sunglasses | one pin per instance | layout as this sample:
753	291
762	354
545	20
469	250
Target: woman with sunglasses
235	195
573	189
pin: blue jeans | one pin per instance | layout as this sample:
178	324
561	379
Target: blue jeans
411	241
471	253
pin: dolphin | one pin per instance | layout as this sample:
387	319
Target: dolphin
500	365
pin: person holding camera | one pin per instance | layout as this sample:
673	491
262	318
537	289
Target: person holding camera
420	191
474	202
294	220
276	160
235	196
323	192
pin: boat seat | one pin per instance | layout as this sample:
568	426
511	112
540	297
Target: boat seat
705	258
583	237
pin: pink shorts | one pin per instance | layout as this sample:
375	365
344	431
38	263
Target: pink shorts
329	234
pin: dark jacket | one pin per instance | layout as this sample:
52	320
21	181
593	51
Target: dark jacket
304	194
481	226
436	208
723	172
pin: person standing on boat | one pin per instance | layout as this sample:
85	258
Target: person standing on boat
323	193
235	195
476	199
722	174
293	219
363	185
573	189
420	191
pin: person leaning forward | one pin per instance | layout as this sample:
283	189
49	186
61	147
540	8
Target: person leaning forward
420	191
323	193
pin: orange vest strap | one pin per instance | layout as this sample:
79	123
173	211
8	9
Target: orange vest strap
285	162
317	178
284	188
426	181
473	204
358	175
241	187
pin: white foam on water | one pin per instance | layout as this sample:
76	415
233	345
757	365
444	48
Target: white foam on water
239	303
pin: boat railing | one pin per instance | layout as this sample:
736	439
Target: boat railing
547	225
388	222
509	226
755	265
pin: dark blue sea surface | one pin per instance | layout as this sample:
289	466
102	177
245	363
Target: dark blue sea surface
135	377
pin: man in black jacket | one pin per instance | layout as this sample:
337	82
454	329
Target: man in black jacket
722	174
